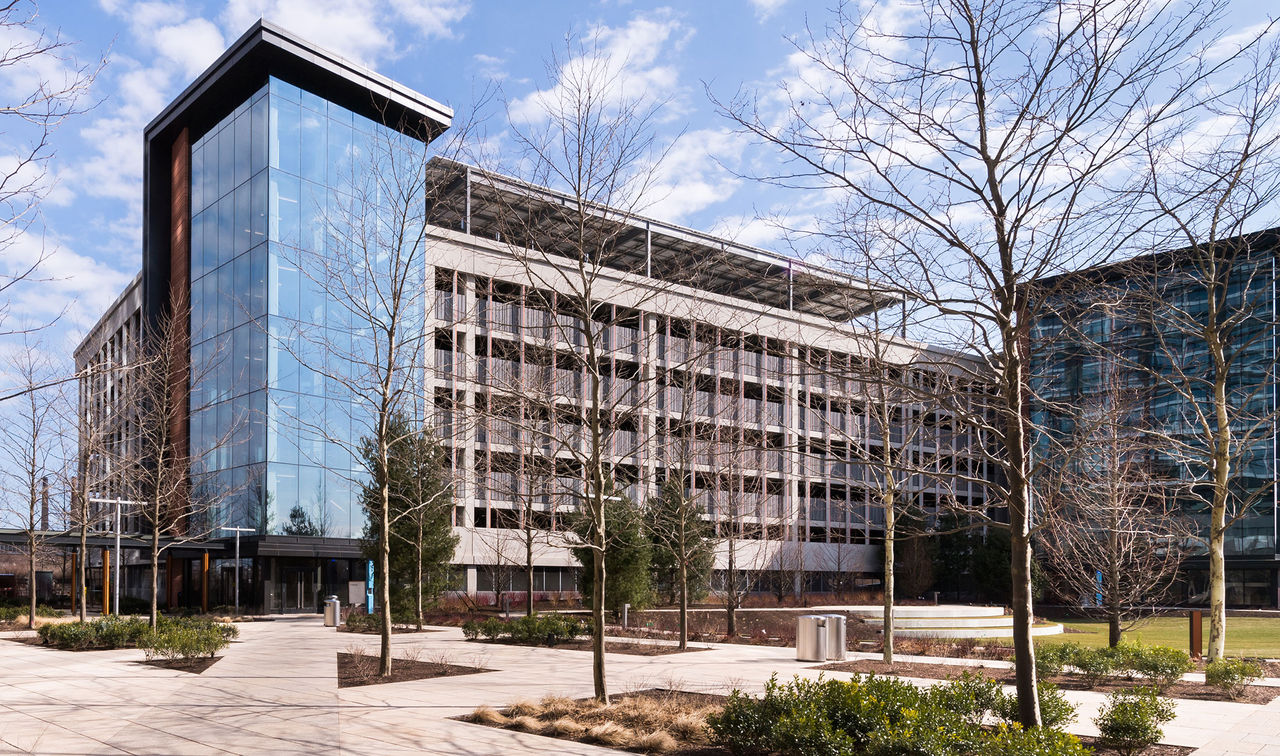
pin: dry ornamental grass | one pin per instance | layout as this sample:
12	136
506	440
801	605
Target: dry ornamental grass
655	721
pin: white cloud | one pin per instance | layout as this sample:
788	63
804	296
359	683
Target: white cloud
432	18
490	67
766	8
634	58
693	175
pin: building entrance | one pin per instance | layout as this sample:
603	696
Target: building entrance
299	589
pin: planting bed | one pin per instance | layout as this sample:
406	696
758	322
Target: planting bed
1254	694
195	666
612	647
647	721
355	670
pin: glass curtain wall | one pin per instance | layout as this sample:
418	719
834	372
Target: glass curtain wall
272	437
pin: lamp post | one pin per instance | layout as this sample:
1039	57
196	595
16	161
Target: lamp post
238	531
115	588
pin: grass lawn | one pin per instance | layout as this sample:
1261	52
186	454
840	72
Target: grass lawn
1246	636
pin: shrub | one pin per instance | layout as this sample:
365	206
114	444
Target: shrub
1232	675
108	632
1056	711
743	725
969	697
470	630
1131	720
364	623
1161	665
1096	665
1038	741
183	640
547	629
1052	658
492	628
877	717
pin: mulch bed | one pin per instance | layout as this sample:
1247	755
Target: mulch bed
1159	749
1254	694
354	671
194	666
612	647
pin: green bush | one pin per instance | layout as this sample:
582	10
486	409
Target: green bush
364	623
1056	711
1161	665
1051	659
969	696
546	629
1038	741
1096	665
12	613
875	716
183	640
108	632
1232	675
1131	720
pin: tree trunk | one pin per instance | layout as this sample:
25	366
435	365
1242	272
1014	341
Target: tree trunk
1024	653
528	568
31	574
684	604
418	574
597	620
1217	585
82	571
384	561
731	604
1114	609
889	535
155	577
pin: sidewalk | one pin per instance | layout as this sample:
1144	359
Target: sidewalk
275	691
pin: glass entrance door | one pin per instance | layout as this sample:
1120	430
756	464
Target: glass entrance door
299	589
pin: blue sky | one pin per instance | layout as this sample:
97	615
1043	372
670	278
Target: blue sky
446	49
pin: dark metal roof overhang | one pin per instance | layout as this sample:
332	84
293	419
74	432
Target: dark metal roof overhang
298	546
493	206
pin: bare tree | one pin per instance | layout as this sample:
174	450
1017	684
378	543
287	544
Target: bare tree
1112	527
1209	305
175	503
983	139
591	140
30	442
50	86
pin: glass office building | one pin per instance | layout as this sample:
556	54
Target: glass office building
1106	333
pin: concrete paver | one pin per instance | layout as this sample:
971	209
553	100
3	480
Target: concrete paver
276	691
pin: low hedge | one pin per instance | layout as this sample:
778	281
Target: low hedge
1232	676
186	639
1131	720
543	629
121	632
877	716
1160	665
12	613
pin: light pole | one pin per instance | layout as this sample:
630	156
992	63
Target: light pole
238	531
115	588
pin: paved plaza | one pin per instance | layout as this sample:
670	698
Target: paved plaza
275	691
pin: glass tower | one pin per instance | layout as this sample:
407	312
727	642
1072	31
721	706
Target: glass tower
270	437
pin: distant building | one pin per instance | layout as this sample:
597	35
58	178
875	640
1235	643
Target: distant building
1103	331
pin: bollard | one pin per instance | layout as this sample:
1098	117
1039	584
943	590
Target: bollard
1197	633
626	609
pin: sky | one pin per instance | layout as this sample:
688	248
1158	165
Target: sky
449	50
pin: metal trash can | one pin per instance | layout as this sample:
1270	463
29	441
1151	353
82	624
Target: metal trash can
835	637
811	638
332	611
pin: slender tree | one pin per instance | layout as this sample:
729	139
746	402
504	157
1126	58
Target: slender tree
682	543
30	445
421	512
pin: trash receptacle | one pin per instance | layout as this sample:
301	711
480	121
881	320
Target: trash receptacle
811	638
332	611
835	637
